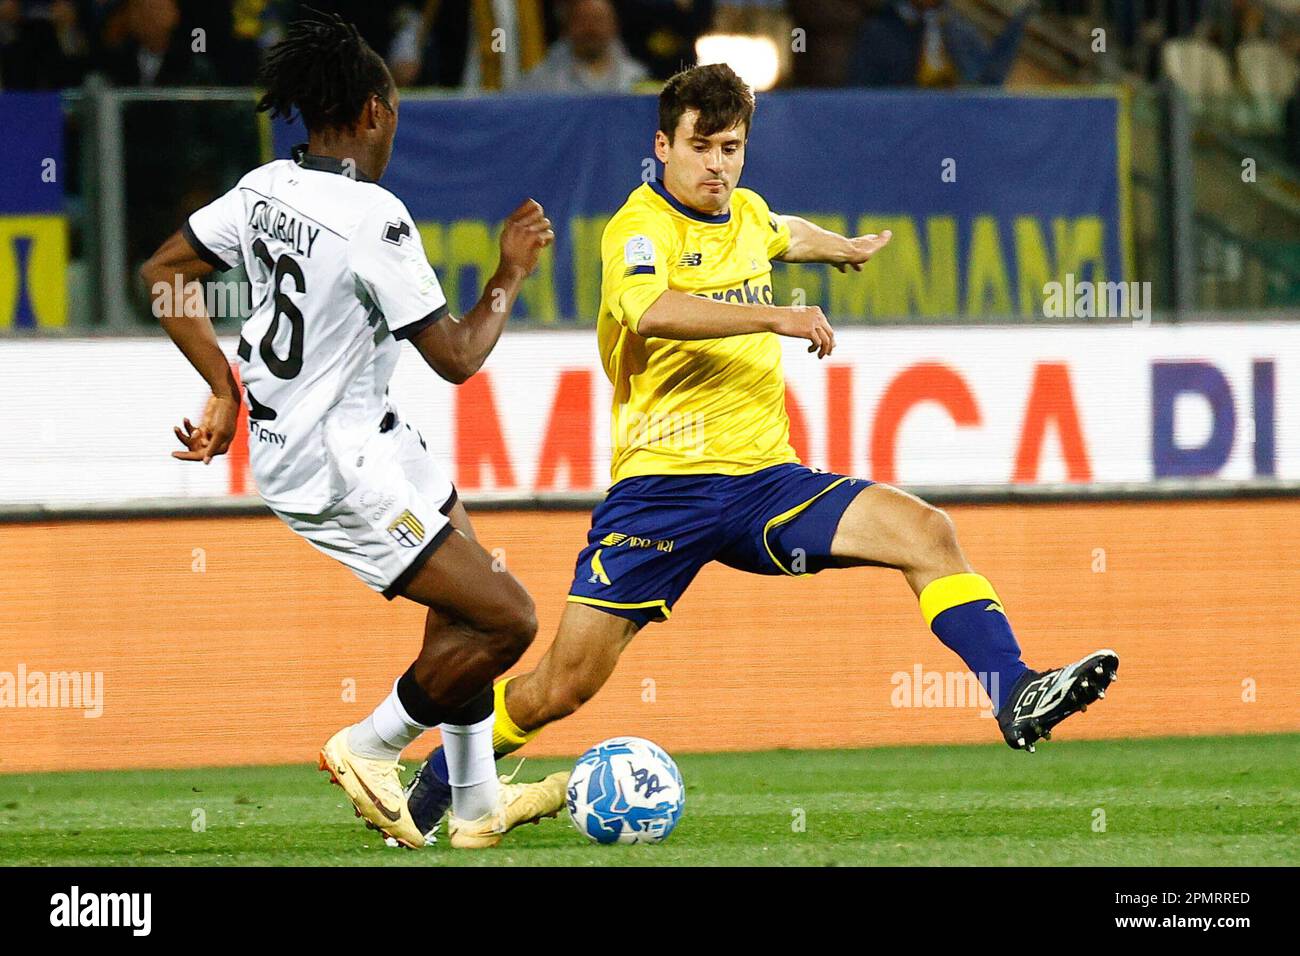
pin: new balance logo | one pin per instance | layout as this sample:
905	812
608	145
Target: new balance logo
691	259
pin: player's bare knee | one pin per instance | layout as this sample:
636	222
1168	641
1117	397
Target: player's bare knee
938	534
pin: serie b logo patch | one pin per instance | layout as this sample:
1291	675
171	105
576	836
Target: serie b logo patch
639	251
407	530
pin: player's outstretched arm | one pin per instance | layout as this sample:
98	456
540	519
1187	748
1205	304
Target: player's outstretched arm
809	242
187	323
677	315
457	348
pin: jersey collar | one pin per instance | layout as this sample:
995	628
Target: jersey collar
325	164
685	210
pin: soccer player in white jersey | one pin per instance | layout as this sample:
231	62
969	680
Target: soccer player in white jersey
339	276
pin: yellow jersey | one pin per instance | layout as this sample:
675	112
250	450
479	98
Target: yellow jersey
708	406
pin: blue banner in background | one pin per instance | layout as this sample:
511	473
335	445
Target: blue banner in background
31	163
33	229
990	196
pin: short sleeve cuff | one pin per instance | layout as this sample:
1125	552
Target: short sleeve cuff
418	326
204	253
782	244
636	302
781	241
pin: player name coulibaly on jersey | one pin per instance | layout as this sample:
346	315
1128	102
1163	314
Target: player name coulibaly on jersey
339	277
707	406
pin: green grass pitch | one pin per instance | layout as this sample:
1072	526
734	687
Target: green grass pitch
1220	801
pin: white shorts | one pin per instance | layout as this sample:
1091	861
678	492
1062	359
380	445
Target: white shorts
395	515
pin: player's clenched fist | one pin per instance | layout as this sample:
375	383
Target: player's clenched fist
805	322
525	234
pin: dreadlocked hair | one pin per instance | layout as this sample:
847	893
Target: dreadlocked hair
324	69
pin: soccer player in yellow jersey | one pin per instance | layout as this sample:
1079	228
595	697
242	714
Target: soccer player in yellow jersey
702	466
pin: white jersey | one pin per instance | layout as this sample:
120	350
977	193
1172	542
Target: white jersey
338	275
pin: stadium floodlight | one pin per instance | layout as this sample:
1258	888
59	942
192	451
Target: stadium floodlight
755	58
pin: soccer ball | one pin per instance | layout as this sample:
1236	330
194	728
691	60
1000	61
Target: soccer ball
626	790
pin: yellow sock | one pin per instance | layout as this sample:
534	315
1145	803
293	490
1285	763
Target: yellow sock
506	735
954	589
966	614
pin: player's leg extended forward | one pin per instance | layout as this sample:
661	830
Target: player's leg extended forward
886	526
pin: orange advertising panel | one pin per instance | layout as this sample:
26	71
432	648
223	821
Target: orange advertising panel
166	643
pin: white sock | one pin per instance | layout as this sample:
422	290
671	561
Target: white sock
471	767
386	732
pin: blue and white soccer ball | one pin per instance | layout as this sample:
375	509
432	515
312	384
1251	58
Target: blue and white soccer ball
626	790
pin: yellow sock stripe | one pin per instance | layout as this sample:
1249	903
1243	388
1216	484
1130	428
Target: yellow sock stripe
506	735
953	589
788	516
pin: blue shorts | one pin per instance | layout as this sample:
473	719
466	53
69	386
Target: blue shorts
652	534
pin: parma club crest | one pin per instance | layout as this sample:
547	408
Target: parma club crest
407	530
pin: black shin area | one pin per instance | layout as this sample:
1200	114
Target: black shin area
418	705
477	708
422	709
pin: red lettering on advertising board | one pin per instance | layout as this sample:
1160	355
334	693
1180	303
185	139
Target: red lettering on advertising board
839	419
568	432
478	438
798	425
923	382
1051	399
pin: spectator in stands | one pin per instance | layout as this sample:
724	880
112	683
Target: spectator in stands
42	45
142	46
830	29
252	27
661	33
475	44
926	43
589	57
408	55
376	20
